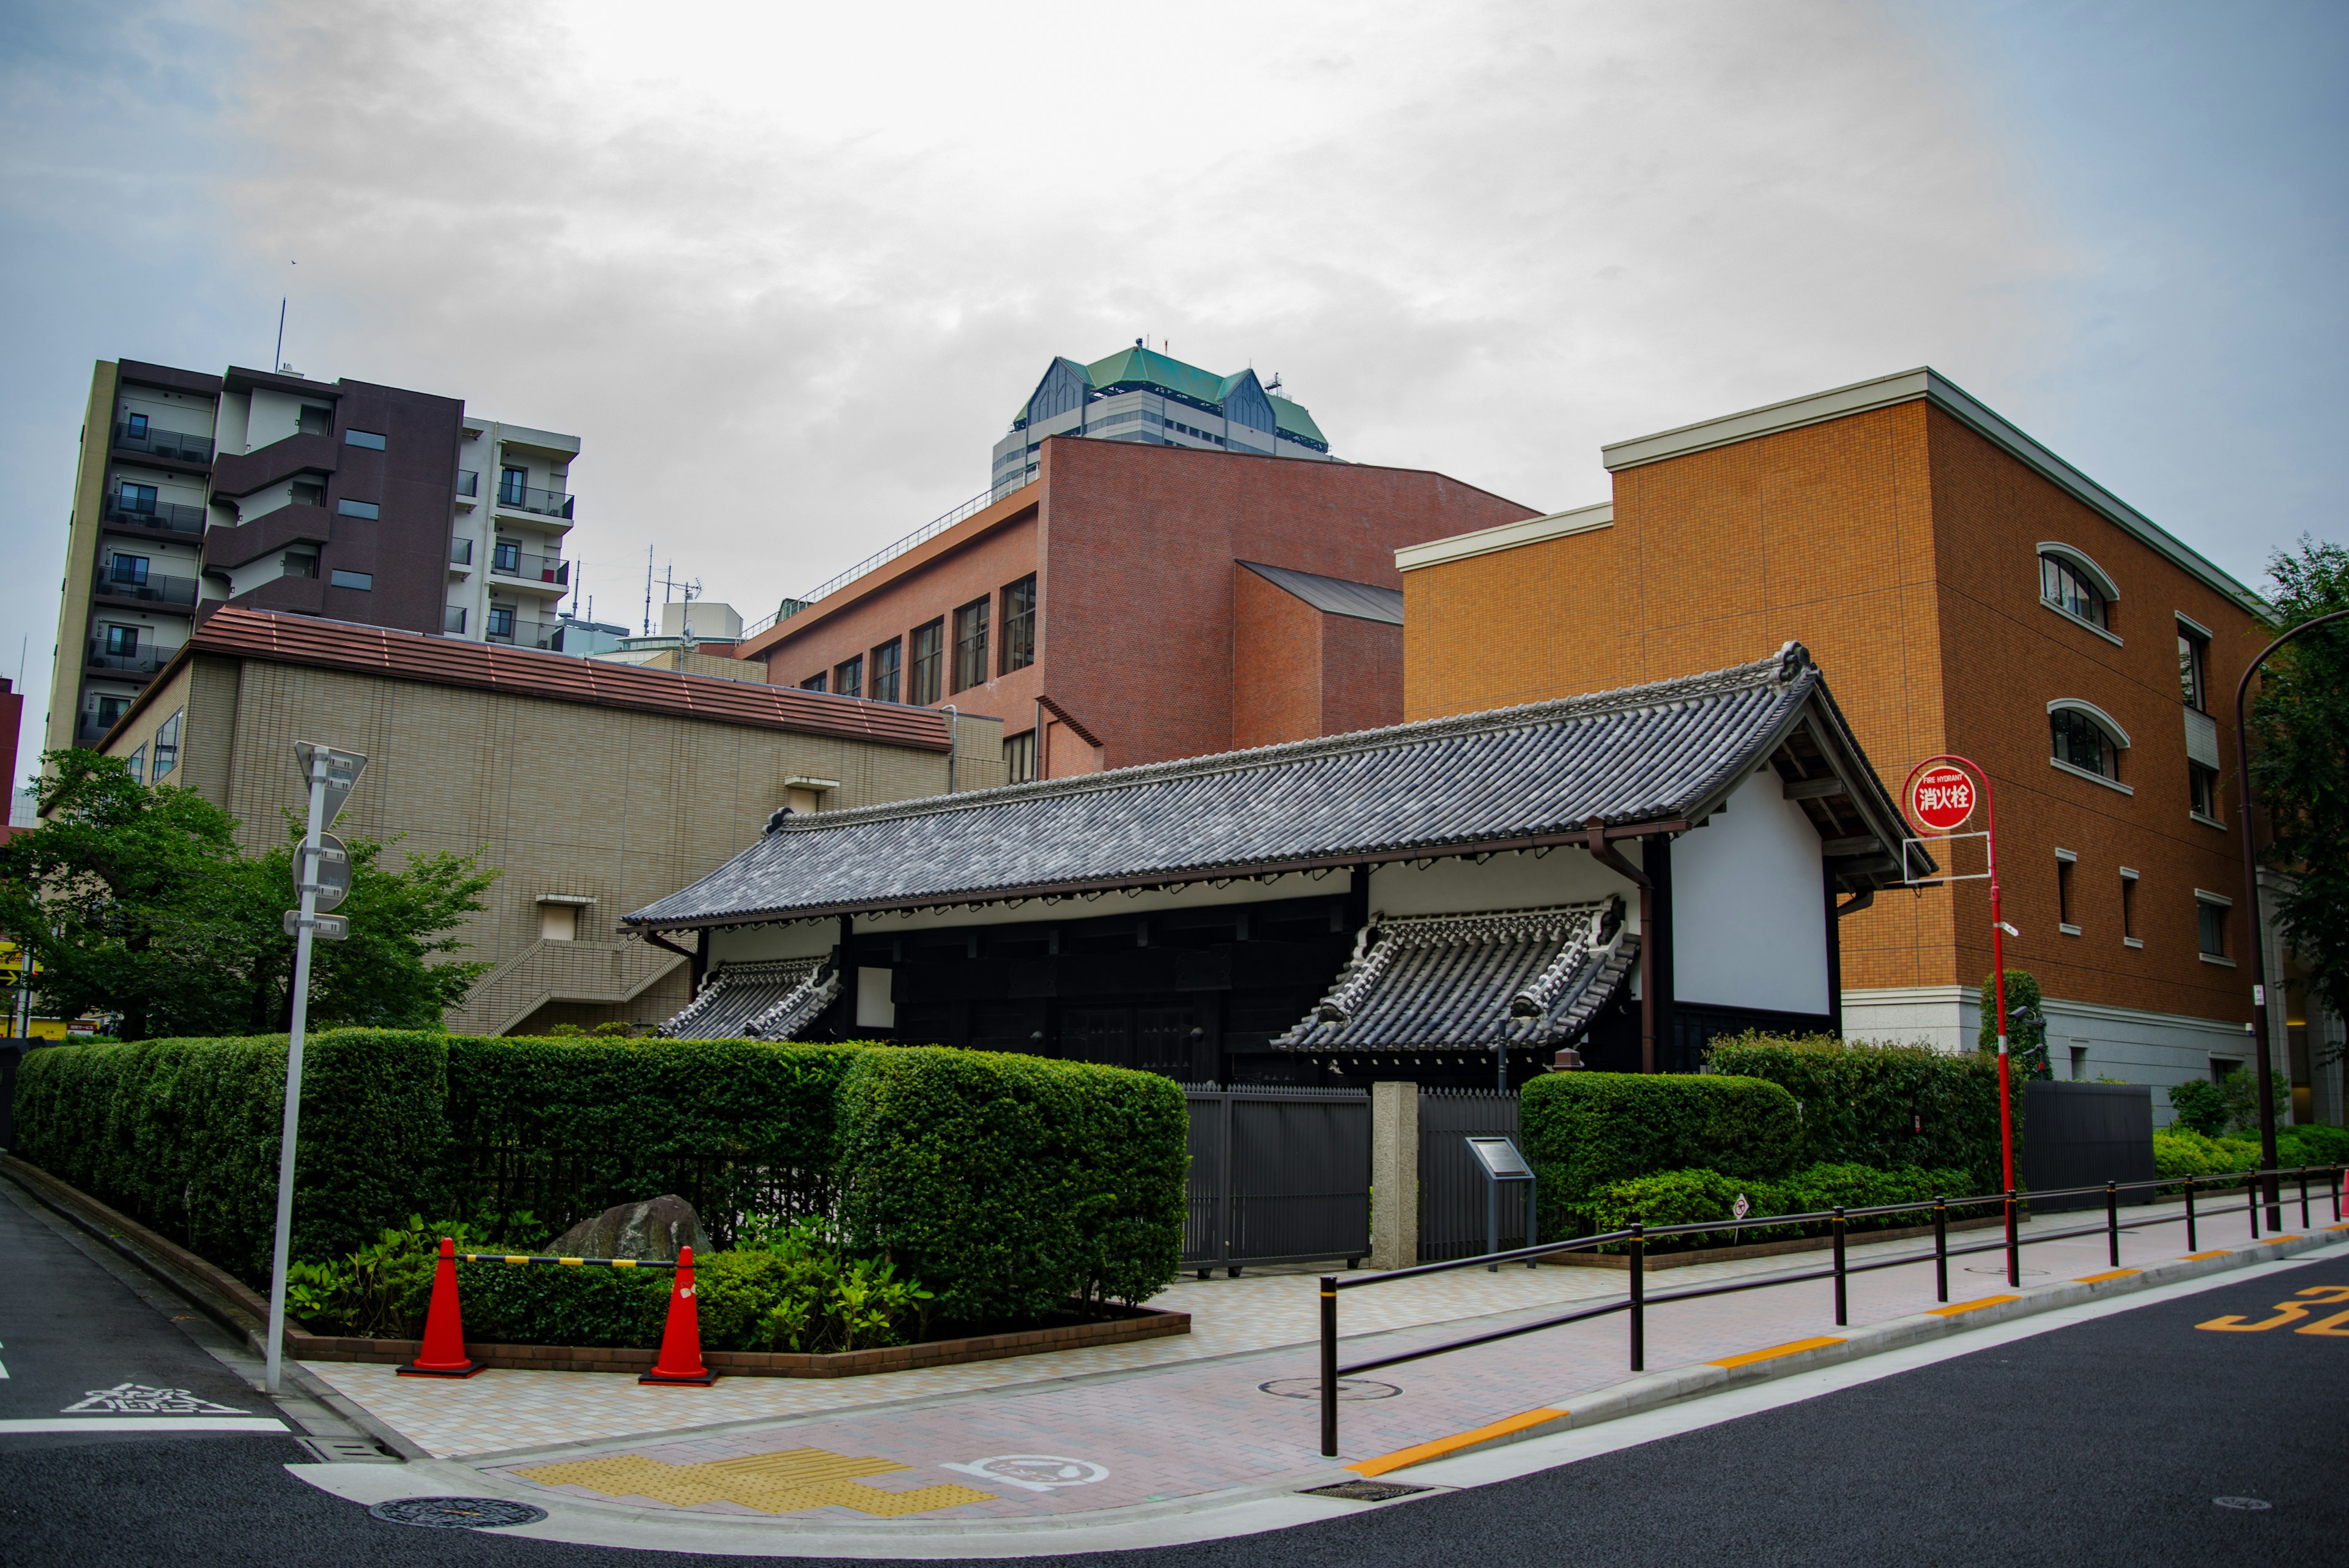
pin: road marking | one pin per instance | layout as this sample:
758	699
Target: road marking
1453	1444
2288	1312
139	1399
1954	1310
2100	1279
1776	1351
145	1424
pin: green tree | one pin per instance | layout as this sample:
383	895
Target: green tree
2299	765
2027	1033
138	904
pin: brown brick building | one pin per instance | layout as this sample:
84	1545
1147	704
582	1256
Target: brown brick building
1137	603
592	786
1970	592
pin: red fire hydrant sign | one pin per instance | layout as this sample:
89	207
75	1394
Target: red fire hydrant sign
1943	798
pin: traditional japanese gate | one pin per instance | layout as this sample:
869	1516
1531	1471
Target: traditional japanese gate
1278	1176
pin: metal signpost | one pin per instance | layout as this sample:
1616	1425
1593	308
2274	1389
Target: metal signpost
1941	794
1498	1158
322	880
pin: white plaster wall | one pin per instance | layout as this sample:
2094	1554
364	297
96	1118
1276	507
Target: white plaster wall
1523	880
1749	906
751	944
228	431
273	416
182	413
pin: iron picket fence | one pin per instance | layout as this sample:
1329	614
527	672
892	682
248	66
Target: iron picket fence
1278	1176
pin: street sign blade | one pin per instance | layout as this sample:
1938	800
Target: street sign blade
328	927
332	875
343	770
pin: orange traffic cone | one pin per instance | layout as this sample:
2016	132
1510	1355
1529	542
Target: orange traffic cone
443	1353
681	1353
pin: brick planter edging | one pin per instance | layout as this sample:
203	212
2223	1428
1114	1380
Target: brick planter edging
1147	1323
241	1300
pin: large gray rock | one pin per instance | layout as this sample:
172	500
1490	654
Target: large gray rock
655	1228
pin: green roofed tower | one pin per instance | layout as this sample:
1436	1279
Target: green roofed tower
1137	394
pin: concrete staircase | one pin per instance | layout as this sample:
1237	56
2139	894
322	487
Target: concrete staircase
544	972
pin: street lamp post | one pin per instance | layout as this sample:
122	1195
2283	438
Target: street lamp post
2261	1054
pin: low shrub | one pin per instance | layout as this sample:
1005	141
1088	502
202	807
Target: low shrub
1583	1131
182	1135
1884	1105
2312	1145
1012	1185
1696	1197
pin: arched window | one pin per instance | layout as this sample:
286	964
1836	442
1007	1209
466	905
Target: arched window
2083	738
2076	585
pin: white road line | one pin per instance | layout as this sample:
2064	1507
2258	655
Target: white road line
144	1424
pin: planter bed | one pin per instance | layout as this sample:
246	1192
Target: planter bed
246	1310
1759	1249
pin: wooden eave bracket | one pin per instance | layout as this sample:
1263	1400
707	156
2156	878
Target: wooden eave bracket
1607	854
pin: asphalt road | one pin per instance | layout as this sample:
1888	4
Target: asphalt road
2103	1442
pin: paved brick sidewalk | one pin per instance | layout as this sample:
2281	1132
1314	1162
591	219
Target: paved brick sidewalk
1020	1439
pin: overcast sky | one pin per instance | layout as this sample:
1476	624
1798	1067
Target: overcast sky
788	270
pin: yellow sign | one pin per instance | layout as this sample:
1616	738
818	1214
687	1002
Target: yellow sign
2293	1311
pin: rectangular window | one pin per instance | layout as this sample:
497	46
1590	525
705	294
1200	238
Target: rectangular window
814	682
926	669
137	497
130	569
2079	1064
138	764
2128	908
884	671
316	419
122	641
362	581
848	677
308	492
366	439
2193	668
512	484
110	710
2212	918
1019	624
135	424
1019	756
167	746
2202	786
359	508
2065	914
300	565
558	922
971	646
505	556
501	622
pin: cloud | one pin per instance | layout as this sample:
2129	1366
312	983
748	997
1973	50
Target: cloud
787	270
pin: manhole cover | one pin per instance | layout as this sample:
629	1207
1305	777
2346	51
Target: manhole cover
2247	1504
1366	1491
457	1512
1311	1388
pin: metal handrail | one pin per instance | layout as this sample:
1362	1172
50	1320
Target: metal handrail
176	444
172	516
887	553
157	588
534	499
1637	1301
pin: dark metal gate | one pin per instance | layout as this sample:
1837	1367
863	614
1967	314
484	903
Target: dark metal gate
1451	1216
1278	1176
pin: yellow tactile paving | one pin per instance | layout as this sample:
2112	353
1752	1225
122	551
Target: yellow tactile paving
785	1481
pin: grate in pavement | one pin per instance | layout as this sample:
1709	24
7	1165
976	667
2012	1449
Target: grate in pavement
457	1512
349	1451
1366	1491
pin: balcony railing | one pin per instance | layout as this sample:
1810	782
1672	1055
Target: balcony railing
146	660
468	482
529	498
163	443
931	530
153	588
506	561
461	551
452	620
170	515
521	630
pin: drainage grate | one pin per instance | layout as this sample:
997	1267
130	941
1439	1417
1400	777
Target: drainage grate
457	1512
1311	1388
349	1451
1365	1490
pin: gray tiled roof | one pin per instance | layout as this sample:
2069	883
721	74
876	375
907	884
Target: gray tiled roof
757	1001
1511	977
1654	754
1335	596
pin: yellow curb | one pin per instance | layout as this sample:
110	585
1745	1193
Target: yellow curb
1776	1351
2100	1279
1453	1444
1972	1306
2197	1257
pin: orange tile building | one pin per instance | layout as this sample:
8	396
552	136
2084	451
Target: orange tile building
1968	591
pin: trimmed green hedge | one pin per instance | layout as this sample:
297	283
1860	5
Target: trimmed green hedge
1883	1105
183	1133
1005	1184
1009	1184
1585	1130
1695	1197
